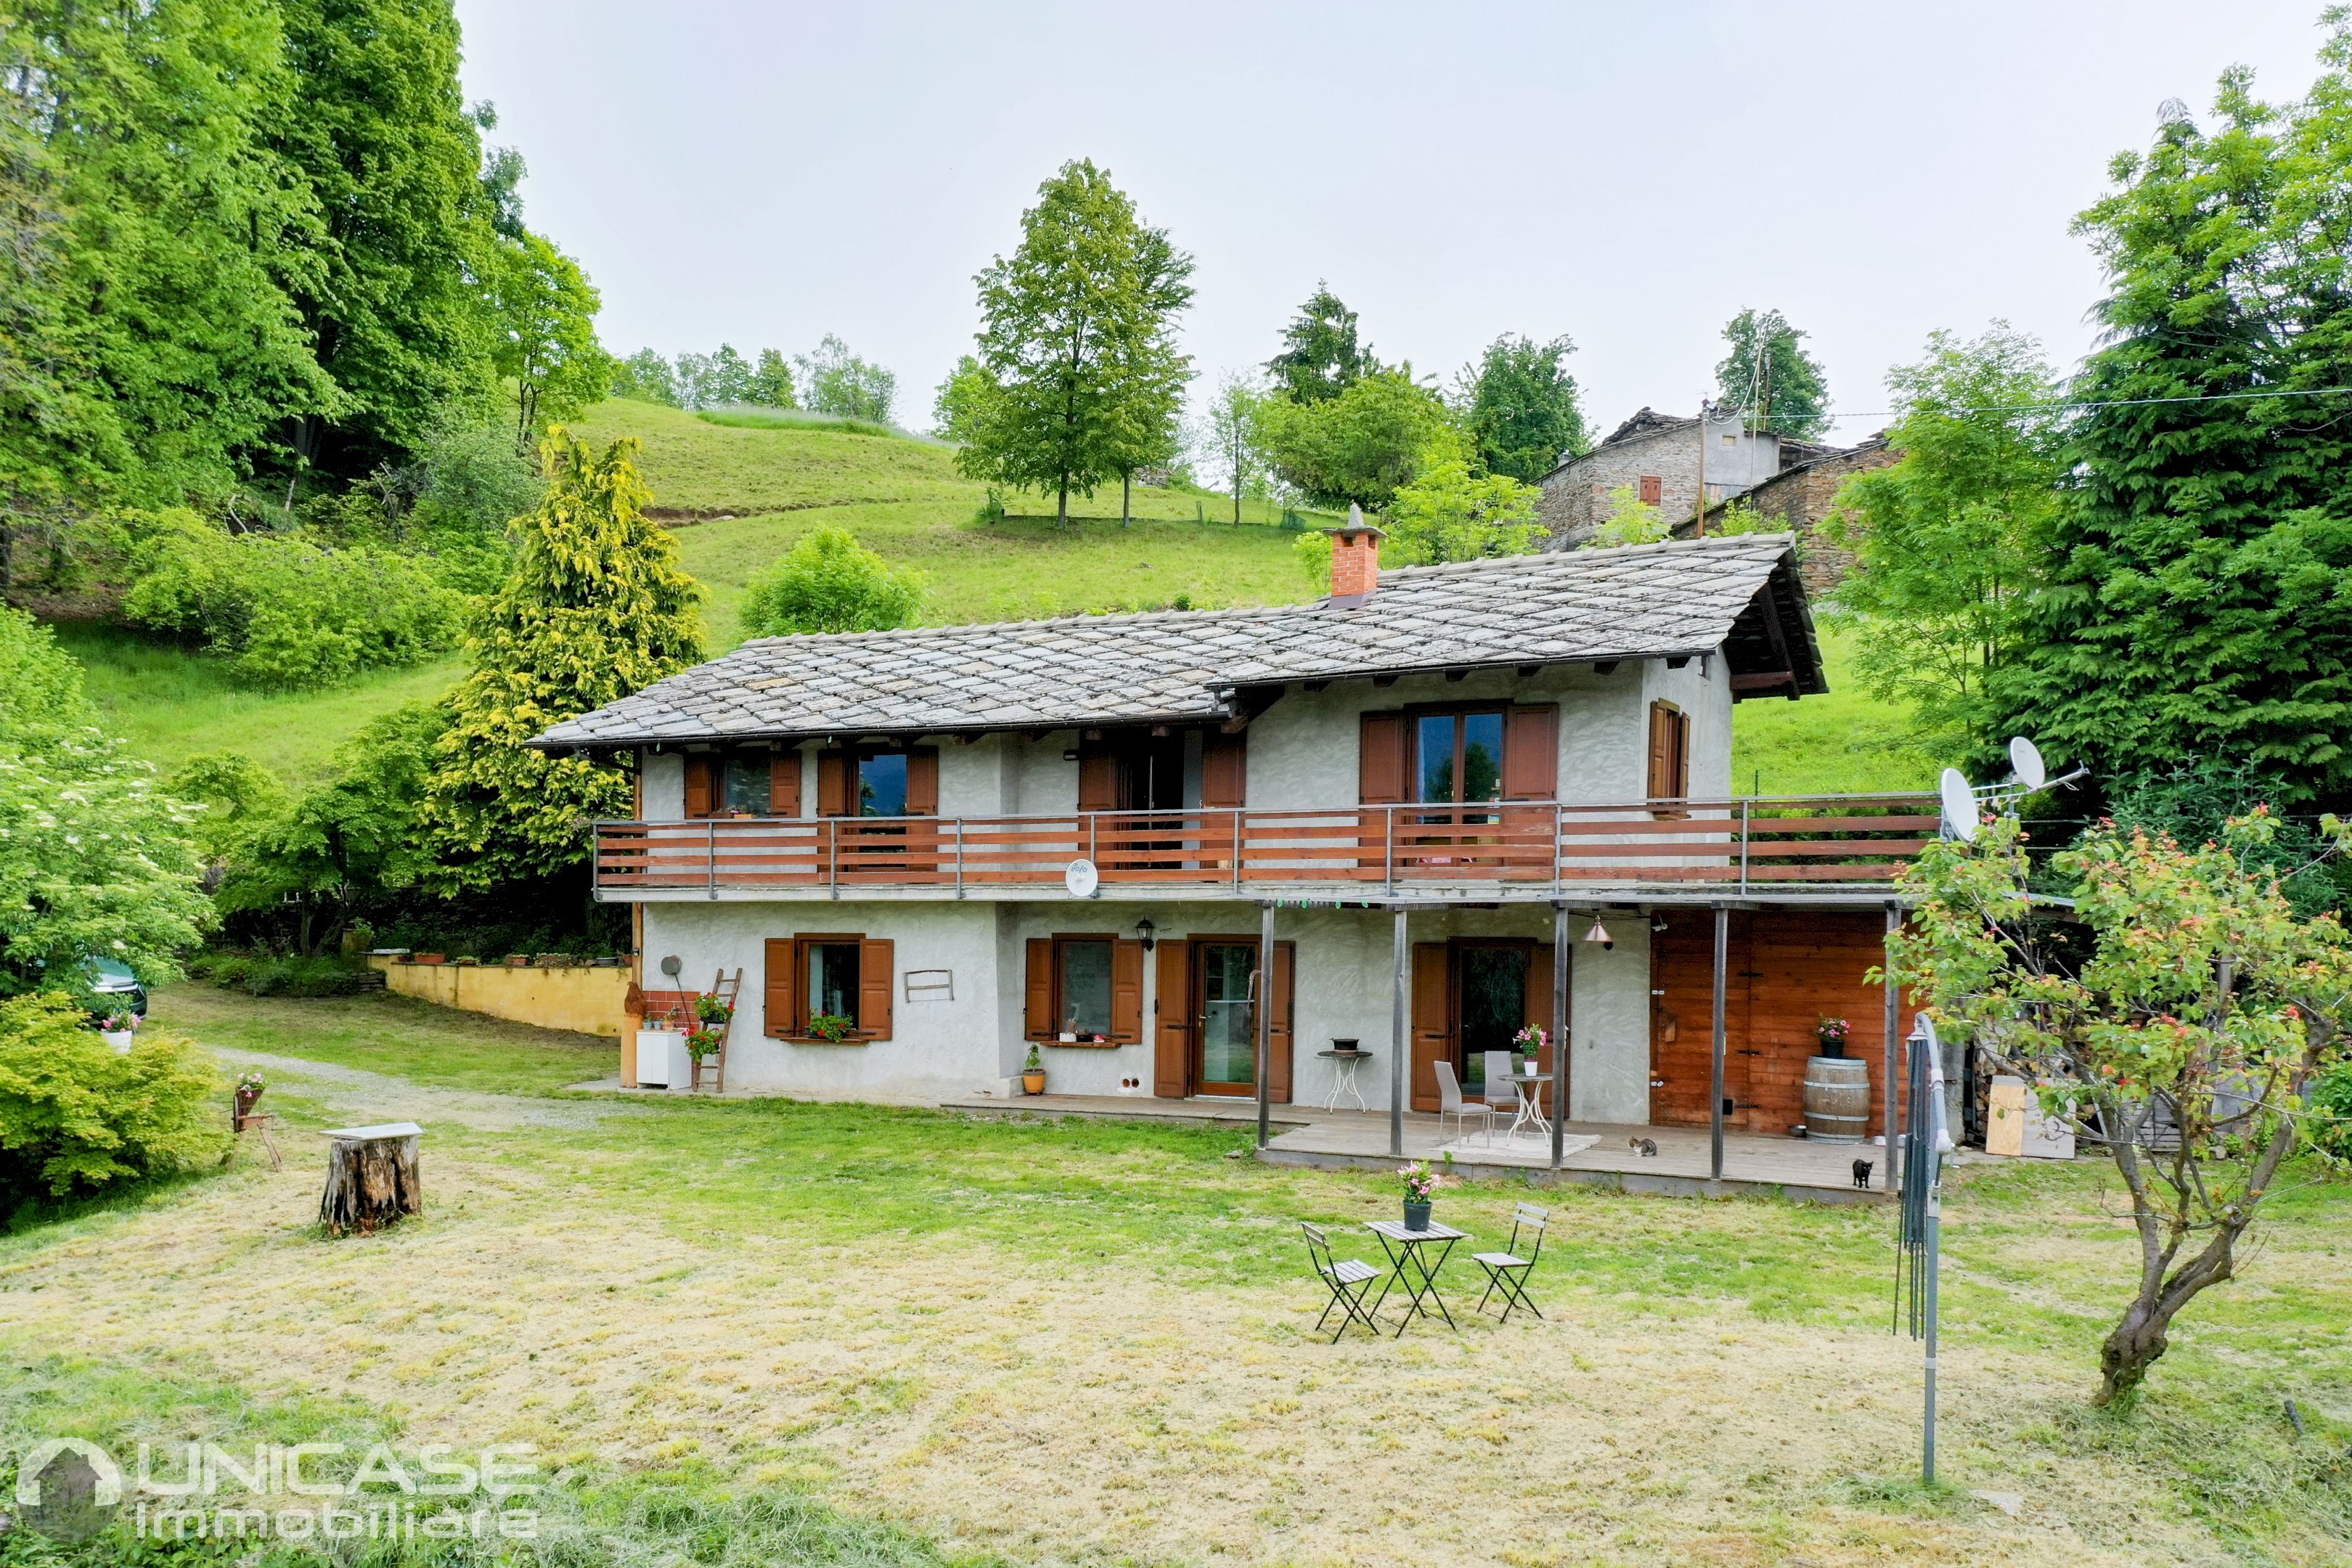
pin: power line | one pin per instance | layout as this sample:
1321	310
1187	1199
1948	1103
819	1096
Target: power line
2105	402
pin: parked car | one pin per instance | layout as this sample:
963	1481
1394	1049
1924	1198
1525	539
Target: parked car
117	989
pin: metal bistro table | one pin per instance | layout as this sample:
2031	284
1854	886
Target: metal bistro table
1407	1267
1345	1065
1531	1084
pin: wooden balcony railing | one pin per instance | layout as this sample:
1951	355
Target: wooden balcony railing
1740	843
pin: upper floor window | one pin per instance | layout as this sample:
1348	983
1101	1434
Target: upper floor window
1459	756
898	781
1653	489
1454	755
743	783
882	784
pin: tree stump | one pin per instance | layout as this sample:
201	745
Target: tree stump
372	1177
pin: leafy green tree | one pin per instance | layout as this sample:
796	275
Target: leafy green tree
2199	593
1320	357
1079	337
961	405
1949	542
95	860
771	382
1630	521
75	1116
727	379
647	377
2182	1043
379	129
838	382
829	583
1519	404
1771	378
1358	447
595	608
695	386
544	312
1447	512
1235	440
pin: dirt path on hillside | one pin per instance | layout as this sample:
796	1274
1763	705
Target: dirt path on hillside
363	1096
1090	1414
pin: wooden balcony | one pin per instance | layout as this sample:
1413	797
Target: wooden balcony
1368	852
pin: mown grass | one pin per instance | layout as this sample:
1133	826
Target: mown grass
1844	741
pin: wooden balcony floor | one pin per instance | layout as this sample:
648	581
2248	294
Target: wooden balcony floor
1307	1135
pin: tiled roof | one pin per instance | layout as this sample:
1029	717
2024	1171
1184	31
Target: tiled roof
1636	602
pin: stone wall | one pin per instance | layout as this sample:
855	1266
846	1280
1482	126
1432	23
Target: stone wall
1576	495
1797	501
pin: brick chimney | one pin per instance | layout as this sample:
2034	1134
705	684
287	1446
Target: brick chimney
1355	559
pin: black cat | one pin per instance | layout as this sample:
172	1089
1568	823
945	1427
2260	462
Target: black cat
1861	1173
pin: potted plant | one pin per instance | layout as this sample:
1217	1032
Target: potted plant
248	1090
1830	1033
1419	1186
1033	1073
119	1029
1529	1040
711	1010
831	1027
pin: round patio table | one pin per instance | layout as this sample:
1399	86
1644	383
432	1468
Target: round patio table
1347	1065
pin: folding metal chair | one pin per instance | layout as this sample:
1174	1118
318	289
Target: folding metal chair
1507	1271
1348	1279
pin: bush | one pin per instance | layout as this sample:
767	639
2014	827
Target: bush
76	1114
2331	1118
288	612
828	583
270	974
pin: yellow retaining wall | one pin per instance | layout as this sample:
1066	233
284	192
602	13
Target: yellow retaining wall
587	1001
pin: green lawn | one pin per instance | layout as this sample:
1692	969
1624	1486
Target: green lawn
924	1335
1844	741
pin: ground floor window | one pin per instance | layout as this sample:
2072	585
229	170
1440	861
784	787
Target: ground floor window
1082	981
832	983
1085	990
832	986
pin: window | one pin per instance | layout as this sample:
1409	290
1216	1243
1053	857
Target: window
1459	756
882	784
1082	987
1729	439
903	781
816	981
1669	753
743	783
1085	990
745	790
1653	489
831	981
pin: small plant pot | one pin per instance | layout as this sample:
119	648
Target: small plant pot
1416	1216
1033	1082
120	1039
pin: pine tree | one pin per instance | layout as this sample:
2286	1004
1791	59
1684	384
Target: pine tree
595	608
1320	357
2199	601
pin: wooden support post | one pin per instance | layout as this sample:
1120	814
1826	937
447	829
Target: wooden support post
1400	1039
1560	972
1715	1066
1264	991
1891	1117
372	1177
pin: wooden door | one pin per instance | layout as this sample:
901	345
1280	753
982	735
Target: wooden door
1172	1036
1433	1019
1682	1018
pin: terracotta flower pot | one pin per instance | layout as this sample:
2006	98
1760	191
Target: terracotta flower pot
1033	1082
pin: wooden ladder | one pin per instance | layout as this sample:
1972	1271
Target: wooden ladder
728	989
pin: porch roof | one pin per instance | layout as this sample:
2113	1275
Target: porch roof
1740	594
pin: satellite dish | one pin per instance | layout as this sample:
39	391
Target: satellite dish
2025	761
1960	805
1081	878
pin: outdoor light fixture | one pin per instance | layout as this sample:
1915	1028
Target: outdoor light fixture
1600	933
1144	928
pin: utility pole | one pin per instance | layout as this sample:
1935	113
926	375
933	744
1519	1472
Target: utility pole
1699	507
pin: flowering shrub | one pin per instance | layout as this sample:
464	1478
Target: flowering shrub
1831	1034
1419	1181
833	1028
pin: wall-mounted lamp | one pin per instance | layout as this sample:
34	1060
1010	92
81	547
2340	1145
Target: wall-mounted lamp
1145	929
1600	933
1658	926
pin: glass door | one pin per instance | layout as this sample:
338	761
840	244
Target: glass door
1228	1014
1494	991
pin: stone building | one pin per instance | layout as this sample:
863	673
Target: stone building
1657	456
1798	499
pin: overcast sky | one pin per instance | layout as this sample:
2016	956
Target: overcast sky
1630	176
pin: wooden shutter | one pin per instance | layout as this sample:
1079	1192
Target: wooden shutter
1279	1048
923	781
1126	990
701	785
1433	1019
1531	752
784	784
1172	1046
781	990
1097	777
1682	755
1539	958
832	783
1383	761
1653	489
1661	750
1038	1009
877	986
1225	769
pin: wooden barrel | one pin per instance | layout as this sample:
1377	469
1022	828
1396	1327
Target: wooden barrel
1837	1100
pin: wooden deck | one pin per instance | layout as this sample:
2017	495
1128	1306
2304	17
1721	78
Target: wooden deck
1354	1140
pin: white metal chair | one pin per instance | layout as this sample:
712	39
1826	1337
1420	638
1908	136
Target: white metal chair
1507	1271
1451	1103
1348	1280
1501	1094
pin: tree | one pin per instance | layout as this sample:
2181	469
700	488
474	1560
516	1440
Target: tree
961	406
1234	439
1448	512
545	315
2182	1043
1948	542
727	377
379	128
593	610
828	583
647	377
1320	358
74	1114
1771	378
1630	521
771	383
2198	595
838	382
1079	337
1519	405
96	861
1358	447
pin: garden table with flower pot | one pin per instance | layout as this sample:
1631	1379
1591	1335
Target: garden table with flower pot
1407	1266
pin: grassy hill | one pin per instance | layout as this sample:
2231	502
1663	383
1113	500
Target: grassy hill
738	495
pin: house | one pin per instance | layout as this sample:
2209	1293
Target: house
947	845
1799	498
1657	456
